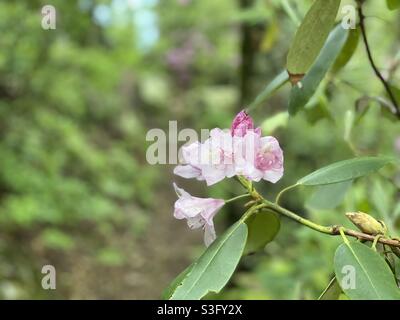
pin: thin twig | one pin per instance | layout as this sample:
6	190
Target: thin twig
330	230
371	60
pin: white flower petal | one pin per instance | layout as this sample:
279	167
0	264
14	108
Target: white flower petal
195	222
187	171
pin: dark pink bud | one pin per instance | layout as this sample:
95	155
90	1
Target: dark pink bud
242	123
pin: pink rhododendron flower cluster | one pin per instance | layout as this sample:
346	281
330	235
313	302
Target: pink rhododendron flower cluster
239	151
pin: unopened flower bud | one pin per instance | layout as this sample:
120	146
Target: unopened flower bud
366	223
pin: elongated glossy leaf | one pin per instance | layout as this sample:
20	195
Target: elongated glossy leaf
348	50
302	92
274	85
169	291
311	35
363	274
328	196
393	4
212	271
344	170
332	291
263	227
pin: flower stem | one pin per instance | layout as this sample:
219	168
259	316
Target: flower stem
342	234
291	12
251	211
291	215
278	197
333	230
237	198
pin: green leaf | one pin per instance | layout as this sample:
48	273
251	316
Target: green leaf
273	86
329	196
381	197
364	103
373	279
348	125
111	257
290	12
393	4
305	89
317	108
388	110
263	227
396	212
57	239
276	121
348	50
311	36
344	170
214	268
332	291
169	291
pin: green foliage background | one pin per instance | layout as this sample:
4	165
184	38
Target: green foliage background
76	104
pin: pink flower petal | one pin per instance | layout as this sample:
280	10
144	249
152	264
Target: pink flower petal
198	212
187	171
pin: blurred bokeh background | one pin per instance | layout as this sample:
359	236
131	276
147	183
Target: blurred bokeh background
76	103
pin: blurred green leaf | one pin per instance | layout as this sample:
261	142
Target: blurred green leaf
214	268
56	239
381	198
344	170
317	108
373	279
262	229
396	212
305	88
272	87
270	37
286	5
274	122
348	50
311	35
110	257
393	4
329	196
349	117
